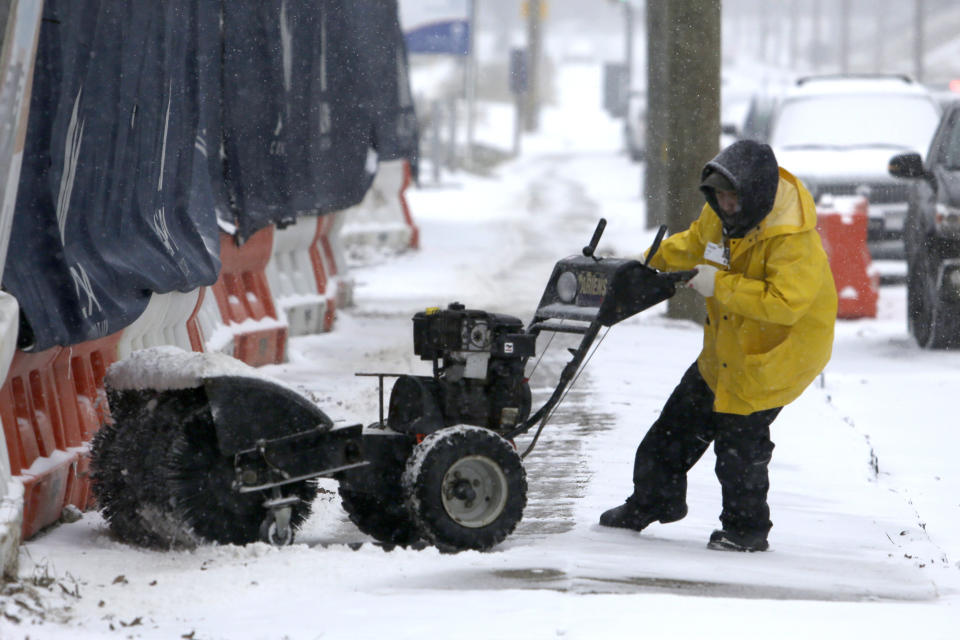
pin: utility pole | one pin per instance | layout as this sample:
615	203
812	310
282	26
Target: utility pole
794	35
844	36
656	112
764	21
816	41
918	40
471	80
628	47
628	44
684	87
878	36
534	39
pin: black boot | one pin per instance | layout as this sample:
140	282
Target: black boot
630	515
723	540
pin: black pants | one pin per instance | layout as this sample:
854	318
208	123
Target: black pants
680	436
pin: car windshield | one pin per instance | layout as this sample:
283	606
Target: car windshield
856	121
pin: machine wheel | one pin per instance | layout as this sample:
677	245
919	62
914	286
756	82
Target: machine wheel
382	517
271	532
465	488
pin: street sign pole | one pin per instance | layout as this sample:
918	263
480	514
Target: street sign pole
471	79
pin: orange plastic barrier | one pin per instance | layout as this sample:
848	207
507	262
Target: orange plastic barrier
194	330
245	302
325	267
407	216
51	404
843	230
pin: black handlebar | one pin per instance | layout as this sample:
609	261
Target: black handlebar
677	277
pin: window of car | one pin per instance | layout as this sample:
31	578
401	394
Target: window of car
950	149
845	121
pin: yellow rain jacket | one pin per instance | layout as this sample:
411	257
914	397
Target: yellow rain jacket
769	326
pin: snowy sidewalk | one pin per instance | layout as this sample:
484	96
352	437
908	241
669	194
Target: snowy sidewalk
850	557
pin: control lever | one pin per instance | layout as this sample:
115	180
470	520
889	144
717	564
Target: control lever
676	277
595	240
656	244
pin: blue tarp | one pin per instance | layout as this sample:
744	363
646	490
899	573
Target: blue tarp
385	74
107	208
296	141
149	119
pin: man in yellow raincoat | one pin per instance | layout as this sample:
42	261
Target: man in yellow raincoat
771	306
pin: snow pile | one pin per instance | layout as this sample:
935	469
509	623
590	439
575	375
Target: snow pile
167	368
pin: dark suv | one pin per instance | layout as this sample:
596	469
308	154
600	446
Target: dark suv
932	235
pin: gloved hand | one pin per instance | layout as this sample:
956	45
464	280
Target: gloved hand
702	283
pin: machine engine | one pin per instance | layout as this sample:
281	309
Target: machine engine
478	372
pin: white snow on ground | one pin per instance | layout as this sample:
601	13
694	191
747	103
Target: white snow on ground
864	498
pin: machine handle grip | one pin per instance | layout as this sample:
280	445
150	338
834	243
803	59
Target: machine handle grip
677	277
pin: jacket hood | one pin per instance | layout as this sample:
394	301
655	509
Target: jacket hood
752	169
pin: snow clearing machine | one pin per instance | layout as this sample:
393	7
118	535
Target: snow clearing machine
202	448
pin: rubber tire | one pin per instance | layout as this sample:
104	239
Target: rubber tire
918	317
932	322
423	486
382	517
945	333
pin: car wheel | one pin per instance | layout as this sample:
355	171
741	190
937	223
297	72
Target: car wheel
919	311
933	322
945	328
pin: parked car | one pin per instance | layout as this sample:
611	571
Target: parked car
836	133
635	125
932	235
759	118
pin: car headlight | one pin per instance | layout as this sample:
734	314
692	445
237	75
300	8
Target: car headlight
947	219
567	286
